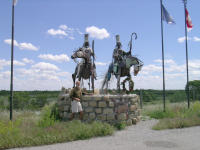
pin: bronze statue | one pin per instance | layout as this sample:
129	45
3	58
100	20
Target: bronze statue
121	64
85	69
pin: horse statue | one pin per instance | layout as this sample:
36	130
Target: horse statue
121	66
86	68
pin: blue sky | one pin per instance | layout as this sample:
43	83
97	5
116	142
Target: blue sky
47	32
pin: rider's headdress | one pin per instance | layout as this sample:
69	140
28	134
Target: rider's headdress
86	40
118	43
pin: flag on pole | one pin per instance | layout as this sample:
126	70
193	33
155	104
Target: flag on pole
15	2
166	16
188	20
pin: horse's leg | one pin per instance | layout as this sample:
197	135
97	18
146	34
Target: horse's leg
89	83
118	83
131	85
106	86
79	71
124	85
74	76
118	79
92	76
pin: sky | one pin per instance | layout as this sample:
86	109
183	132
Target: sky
48	31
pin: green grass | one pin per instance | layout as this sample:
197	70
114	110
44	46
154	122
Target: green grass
176	115
120	125
31	129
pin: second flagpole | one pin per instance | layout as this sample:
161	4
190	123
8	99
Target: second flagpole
186	47
12	57
163	57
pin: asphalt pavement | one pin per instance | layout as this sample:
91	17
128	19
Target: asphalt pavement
136	137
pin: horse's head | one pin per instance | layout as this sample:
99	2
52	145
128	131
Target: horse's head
78	54
138	66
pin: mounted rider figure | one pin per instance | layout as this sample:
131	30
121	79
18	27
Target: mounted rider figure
86	65
121	66
119	56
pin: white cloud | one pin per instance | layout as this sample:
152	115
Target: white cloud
4	63
79	32
27	61
167	61
71	38
101	63
58	32
57	58
34	79
64	31
98	33
196	39
194	64
195	72
175	68
152	68
8	41
5	75
45	76
42	66
64	74
18	63
182	39
151	78
27	46
63	27
22	46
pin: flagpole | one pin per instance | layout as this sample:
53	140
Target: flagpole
186	47
163	61
12	54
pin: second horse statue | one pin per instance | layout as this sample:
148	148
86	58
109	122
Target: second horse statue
121	64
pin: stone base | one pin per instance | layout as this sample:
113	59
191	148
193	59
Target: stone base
106	108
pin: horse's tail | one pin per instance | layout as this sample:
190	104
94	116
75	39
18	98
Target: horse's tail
107	76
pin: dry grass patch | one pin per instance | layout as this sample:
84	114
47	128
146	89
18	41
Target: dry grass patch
31	129
176	116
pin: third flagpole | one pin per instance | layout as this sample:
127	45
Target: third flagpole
12	55
163	59
186	47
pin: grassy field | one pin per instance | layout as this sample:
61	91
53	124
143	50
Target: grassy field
177	115
34	128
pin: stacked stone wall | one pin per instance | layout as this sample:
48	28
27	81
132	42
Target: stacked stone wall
106	108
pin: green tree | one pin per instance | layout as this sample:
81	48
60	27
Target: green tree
40	100
148	96
194	88
178	96
20	100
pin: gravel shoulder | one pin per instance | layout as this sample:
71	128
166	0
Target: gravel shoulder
140	137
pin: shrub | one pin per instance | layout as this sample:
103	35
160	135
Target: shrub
27	132
47	119
160	114
9	133
120	125
177	117
55	112
178	96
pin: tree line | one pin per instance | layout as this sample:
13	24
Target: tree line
35	100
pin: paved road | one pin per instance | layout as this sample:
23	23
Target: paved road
139	137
